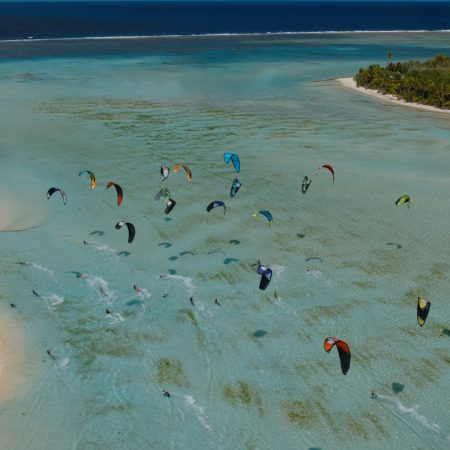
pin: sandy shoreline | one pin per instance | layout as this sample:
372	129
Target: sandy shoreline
12	358
16	214
351	84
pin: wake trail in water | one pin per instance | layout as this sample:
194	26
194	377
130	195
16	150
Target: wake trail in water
103	249
402	412
53	300
182	281
101	286
198	410
50	274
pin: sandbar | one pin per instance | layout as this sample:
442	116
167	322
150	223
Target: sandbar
351	84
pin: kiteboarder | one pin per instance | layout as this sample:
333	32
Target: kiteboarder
136	288
373	396
191	299
166	393
35	293
51	355
217	302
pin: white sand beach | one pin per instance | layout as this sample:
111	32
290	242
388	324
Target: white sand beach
351	84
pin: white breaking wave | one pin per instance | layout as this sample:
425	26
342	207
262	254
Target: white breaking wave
207	35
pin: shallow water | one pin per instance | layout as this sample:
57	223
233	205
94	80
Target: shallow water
251	373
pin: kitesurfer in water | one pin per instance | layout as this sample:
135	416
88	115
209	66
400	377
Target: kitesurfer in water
166	393
217	302
51	355
35	293
373	396
191	299
108	311
136	288
12	305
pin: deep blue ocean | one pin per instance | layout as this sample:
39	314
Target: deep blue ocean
102	19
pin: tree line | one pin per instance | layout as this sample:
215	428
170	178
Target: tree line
426	82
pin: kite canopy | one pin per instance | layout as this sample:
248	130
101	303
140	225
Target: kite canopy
164	172
403	199
170	205
215	204
423	308
266	214
327	166
266	275
235	186
92	176
118	190
343	350
187	171
52	190
227	157
131	229
305	184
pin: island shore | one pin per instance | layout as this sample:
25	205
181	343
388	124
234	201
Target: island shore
351	84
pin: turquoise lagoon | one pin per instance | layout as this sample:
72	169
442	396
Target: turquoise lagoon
251	373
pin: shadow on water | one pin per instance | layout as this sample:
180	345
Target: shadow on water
300	235
172	271
229	260
259	333
124	253
186	253
165	244
446	331
167	219
397	246
77	274
172	258
100	233
235	242
134	302
397	387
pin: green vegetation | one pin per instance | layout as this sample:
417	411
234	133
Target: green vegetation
425	82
